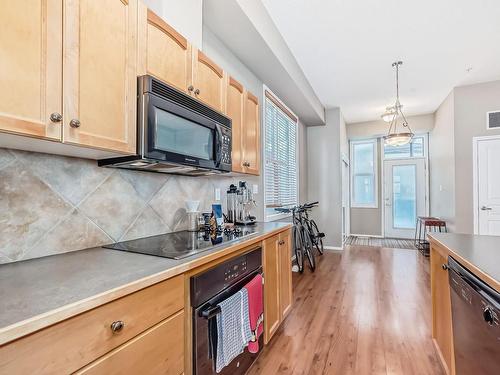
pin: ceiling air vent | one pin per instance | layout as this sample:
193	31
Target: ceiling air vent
493	120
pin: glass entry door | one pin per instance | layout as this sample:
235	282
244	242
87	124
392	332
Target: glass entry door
405	196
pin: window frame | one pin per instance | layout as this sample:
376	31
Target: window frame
425	145
352	144
289	113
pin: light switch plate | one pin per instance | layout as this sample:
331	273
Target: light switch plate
255	189
217	194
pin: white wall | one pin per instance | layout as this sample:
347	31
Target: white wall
442	158
460	118
183	15
324	145
471	104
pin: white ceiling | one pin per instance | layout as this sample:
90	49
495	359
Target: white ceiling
346	48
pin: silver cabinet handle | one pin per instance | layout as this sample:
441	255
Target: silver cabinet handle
55	117
197	92
444	266
74	123
117	326
190	88
486	208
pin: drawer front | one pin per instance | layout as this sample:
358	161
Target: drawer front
73	343
159	350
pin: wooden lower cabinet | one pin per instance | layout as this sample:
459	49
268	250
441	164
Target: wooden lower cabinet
71	344
442	333
272	314
285	260
159	350
277	282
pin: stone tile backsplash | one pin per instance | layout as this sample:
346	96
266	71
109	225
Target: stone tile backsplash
51	204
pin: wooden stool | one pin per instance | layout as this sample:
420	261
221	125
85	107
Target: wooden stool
425	225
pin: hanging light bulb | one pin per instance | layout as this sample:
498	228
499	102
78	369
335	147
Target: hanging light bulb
395	137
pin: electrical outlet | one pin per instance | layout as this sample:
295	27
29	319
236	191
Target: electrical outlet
255	189
217	194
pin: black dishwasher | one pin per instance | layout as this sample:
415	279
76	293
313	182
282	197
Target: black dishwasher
475	318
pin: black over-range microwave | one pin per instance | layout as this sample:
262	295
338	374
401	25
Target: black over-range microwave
176	134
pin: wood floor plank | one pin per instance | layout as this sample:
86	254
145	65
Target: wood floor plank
364	311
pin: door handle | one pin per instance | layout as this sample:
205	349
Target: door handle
486	208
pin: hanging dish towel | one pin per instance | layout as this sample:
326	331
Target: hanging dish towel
256	311
233	328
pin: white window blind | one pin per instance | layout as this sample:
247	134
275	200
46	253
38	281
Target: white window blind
280	157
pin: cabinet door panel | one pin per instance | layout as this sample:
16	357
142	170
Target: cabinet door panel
168	53
31	67
208	78
441	305
272	313
100	65
251	135
234	110
285	274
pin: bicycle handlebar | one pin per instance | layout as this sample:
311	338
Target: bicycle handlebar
303	207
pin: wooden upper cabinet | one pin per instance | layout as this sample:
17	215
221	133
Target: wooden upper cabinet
163	52
100	67
208	81
234	109
285	273
251	135
31	67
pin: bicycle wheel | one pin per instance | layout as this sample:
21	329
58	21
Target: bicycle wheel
307	248
299	255
318	236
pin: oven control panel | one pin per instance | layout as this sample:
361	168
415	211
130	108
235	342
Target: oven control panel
234	270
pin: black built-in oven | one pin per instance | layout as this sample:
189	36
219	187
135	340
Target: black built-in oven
177	133
207	290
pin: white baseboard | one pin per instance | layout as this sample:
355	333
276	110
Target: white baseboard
367	235
334	248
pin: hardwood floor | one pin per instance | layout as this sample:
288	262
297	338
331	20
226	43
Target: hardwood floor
364	311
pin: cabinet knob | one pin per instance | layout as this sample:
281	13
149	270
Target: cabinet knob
74	123
282	242
246	164
444	266
197	92
488	316
117	326
190	88
55	117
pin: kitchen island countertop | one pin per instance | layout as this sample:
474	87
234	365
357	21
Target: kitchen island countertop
479	254
38	292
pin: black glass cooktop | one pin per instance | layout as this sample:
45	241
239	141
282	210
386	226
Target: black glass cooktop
183	244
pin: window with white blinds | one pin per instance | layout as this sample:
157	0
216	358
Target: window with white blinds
280	157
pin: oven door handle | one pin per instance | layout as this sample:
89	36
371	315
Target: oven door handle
211	312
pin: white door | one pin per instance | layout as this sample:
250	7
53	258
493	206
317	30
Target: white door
405	195
488	173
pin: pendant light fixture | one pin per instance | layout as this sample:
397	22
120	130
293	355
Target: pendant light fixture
393	115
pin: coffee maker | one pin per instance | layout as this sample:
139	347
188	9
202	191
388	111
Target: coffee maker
239	204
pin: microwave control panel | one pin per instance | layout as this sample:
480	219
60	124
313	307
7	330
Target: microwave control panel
226	146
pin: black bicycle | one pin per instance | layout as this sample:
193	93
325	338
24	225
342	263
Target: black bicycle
305	235
314	233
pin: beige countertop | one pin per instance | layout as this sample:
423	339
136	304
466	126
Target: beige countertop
39	292
479	254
